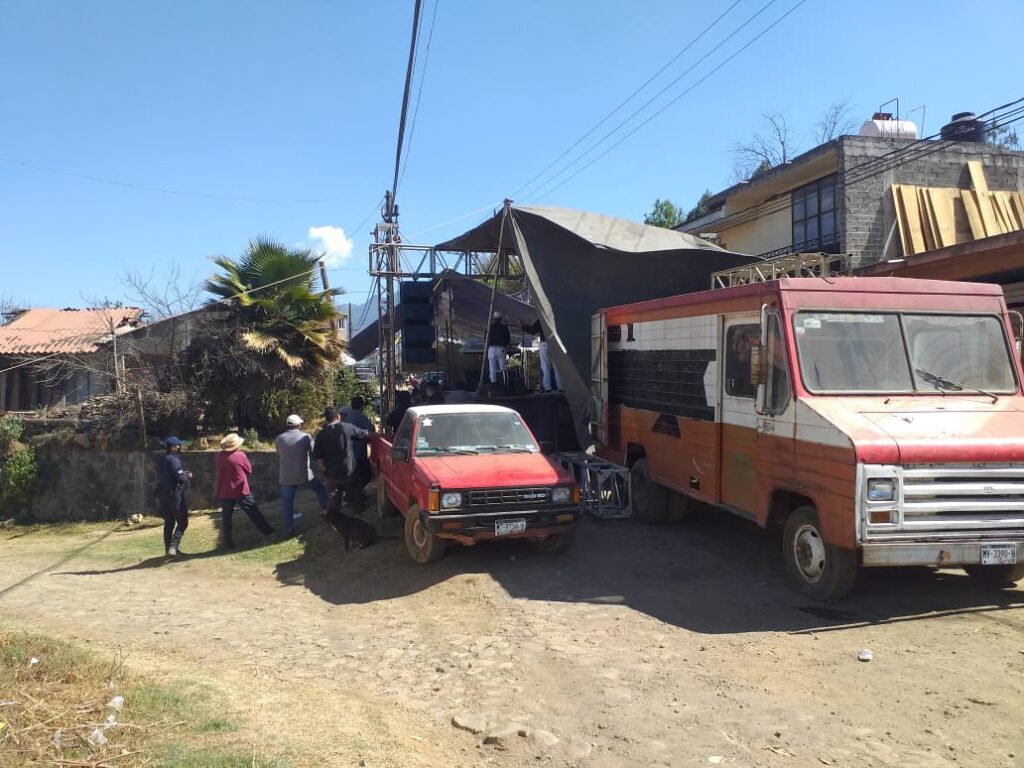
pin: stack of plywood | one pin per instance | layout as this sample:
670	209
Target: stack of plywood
936	217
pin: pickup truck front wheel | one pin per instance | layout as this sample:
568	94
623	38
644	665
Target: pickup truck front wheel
422	546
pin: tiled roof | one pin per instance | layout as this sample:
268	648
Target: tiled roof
71	331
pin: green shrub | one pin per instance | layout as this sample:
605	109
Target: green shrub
18	469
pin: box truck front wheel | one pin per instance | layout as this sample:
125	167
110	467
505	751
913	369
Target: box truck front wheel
822	571
650	500
996	575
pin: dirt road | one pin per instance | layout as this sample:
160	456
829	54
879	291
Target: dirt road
679	646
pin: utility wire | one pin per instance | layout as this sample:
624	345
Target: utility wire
419	93
160	190
629	98
405	96
540	194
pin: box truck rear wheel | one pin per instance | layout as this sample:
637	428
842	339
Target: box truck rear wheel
821	570
650	500
996	575
421	544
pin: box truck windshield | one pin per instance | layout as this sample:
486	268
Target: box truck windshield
902	353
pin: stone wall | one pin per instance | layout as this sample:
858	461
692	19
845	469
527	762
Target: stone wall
79	483
868	214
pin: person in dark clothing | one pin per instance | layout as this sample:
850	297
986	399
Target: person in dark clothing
362	473
498	341
403	402
434	396
333	449
233	470
171	481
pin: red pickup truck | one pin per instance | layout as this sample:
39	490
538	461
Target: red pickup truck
468	473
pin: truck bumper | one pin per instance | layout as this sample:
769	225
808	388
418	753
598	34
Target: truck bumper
933	553
480	525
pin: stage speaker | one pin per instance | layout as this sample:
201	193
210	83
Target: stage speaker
418	323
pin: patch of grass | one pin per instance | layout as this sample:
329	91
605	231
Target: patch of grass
53	706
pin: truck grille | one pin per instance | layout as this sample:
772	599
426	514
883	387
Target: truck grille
500	497
963	498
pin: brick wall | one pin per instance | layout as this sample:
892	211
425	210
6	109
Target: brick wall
867	214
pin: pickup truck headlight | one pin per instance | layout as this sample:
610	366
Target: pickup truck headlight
451	500
561	495
881	489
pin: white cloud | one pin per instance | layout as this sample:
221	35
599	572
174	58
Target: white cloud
333	242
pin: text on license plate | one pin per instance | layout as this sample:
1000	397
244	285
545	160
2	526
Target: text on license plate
998	554
506	527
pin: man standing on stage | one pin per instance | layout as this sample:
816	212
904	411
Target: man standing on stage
550	379
498	341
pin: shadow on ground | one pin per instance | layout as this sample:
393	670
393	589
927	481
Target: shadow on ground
714	574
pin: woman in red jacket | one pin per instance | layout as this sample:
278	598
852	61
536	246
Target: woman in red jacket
233	470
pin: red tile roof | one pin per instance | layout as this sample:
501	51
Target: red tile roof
71	331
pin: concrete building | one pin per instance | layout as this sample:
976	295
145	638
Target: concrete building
838	198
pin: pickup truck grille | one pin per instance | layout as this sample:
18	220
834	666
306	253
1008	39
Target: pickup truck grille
943	498
500	497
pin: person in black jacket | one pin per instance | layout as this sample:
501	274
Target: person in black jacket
498	341
171	481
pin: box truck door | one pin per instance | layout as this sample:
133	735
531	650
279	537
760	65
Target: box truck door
738	487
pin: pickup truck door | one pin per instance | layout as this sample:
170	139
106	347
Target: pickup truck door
398	475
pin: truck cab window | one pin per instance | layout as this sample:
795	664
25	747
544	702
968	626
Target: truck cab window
739	340
403	437
777	390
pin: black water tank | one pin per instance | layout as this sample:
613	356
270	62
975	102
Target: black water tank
964	127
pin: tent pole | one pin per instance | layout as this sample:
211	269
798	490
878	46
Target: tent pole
494	290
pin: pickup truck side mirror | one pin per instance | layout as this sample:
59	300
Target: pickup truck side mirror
400	454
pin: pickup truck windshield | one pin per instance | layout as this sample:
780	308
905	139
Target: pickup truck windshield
469	433
898	352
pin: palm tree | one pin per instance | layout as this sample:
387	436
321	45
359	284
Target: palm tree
276	311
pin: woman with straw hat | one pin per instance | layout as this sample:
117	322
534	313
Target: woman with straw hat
233	470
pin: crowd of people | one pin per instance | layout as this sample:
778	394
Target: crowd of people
334	465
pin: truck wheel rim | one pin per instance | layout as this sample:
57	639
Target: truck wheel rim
809	553
419	535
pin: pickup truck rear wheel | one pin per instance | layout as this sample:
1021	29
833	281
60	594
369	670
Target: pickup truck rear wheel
556	542
996	575
422	546
650	500
822	571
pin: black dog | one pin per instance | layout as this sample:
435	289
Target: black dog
351	529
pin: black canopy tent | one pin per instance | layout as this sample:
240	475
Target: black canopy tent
578	262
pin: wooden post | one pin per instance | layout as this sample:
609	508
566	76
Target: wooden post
142	419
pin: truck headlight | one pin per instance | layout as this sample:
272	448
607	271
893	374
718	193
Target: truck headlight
561	495
881	489
451	500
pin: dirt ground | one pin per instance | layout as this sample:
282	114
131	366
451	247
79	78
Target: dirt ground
676	646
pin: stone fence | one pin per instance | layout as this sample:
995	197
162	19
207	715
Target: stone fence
77	483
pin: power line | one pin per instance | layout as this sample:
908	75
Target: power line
675	99
160	190
405	97
419	92
629	98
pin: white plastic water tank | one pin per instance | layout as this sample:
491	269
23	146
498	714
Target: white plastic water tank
889	129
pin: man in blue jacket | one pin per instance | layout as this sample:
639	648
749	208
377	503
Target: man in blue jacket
171	480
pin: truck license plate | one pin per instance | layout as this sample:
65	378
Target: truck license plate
506	527
998	554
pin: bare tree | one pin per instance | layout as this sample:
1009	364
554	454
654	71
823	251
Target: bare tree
163	295
767	149
835	121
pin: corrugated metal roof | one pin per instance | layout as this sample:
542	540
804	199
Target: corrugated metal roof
70	331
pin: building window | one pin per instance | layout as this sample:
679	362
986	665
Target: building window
815	217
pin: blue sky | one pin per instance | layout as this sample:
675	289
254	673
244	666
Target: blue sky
284	117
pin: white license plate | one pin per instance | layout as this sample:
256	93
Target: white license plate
507	527
998	554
